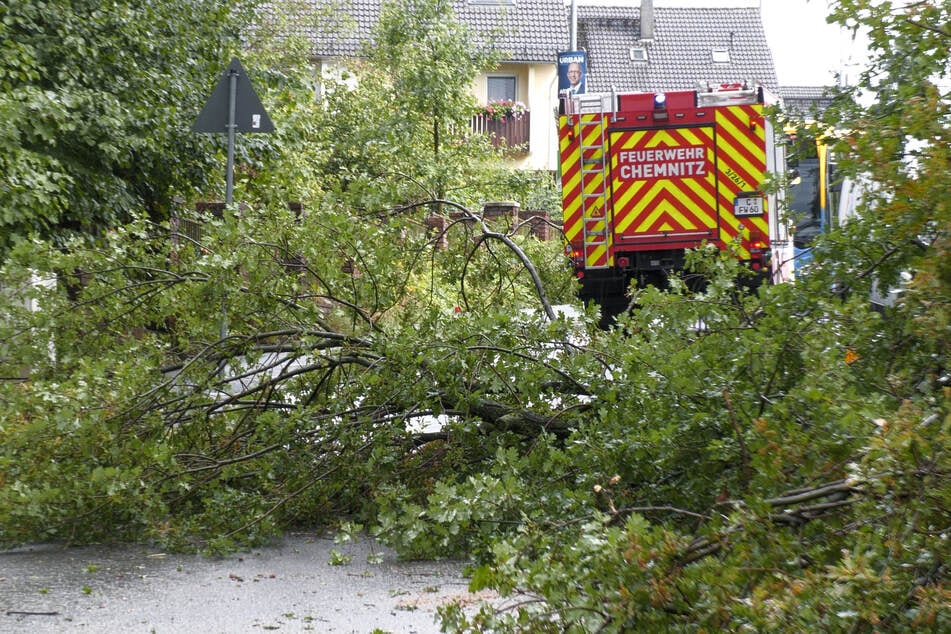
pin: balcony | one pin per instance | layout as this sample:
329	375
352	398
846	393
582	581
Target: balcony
507	131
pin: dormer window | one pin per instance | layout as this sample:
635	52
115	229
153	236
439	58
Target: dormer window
639	54
721	56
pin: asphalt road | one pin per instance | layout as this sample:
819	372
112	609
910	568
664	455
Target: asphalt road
289	587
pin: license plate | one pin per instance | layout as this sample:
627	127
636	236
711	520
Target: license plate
748	206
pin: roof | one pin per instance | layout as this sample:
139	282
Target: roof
680	56
805	100
526	31
811	93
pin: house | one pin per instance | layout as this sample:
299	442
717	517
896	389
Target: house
529	32
630	48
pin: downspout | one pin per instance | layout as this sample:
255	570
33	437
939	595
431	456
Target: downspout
573	26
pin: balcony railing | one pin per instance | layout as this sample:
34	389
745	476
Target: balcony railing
511	132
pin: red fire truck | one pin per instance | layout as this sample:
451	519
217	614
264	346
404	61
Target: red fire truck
646	176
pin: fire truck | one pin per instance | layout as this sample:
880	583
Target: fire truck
646	176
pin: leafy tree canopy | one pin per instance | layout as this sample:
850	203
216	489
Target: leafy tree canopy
97	101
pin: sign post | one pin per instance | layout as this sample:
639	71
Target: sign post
232	107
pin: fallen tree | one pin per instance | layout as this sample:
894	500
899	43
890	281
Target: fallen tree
218	397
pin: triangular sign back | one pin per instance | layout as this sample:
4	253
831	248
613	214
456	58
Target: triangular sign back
249	114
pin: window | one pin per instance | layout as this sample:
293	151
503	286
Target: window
500	87
721	55
638	54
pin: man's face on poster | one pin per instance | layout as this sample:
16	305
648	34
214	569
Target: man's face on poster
574	73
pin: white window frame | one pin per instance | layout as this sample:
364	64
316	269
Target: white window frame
721	55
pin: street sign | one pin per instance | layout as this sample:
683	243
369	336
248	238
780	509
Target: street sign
249	114
233	107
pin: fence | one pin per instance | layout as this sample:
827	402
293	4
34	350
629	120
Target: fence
510	132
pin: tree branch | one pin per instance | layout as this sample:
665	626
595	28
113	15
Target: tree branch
839	496
507	241
744	451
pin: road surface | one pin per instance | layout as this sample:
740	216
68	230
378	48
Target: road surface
289	587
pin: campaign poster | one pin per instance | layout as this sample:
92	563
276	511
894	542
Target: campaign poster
572	73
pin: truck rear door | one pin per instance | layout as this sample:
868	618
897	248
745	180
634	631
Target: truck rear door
664	187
